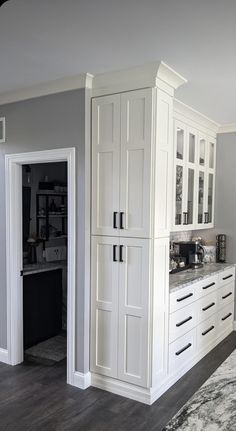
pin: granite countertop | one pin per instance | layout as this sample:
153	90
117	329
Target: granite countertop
185	278
35	268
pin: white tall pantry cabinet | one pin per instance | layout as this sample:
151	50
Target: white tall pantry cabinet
131	215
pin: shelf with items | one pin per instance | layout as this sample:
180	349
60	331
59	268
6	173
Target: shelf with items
51	206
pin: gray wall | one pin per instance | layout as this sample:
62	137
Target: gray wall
225	209
49	122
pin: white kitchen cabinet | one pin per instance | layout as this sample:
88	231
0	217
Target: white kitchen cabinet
194	178
185	155
121	161
120	306
132	152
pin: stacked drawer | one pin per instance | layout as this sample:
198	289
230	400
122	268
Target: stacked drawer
199	315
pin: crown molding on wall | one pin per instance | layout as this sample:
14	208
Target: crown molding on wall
148	75
207	125
84	80
227	128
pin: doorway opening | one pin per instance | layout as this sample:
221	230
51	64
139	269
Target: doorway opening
41	248
44	206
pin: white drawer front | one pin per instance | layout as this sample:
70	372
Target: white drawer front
206	306
207	286
226	294
227	276
181	298
182	351
182	321
206	332
225	317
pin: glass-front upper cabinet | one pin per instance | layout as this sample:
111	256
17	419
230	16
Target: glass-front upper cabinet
185	176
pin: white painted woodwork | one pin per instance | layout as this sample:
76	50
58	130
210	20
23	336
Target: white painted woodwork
160	310
105	164
196	200
134	295
212	312
136	151
163	157
104	306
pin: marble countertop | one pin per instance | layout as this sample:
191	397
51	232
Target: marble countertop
185	278
35	268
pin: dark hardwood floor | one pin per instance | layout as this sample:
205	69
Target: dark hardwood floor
35	397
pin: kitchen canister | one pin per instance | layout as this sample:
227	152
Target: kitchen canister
221	248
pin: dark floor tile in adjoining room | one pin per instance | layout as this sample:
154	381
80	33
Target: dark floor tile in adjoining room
36	398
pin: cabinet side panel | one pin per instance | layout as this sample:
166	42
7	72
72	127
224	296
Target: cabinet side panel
163	163
160	310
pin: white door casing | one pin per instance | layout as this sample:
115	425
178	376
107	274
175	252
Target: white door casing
14	253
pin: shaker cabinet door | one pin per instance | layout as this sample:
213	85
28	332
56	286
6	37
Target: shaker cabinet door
135	178
104	305
133	365
105	165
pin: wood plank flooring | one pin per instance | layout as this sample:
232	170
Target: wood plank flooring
37	398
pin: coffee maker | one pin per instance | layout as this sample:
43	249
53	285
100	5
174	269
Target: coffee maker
191	251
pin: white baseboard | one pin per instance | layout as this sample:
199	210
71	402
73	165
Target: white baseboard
4	356
81	380
234	325
124	389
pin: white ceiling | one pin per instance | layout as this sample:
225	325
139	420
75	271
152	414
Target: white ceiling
48	39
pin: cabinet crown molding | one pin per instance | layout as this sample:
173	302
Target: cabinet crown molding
188	113
147	75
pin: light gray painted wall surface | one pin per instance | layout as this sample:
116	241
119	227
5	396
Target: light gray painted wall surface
49	122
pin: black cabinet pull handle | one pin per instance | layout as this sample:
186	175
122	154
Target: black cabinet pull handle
209	285
183	349
208	306
114	219
227	316
114	253
22	273
226	296
208	330
121	253
183	321
185	214
184	297
206	217
122	220
228	276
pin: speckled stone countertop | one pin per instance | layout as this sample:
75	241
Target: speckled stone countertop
186	278
43	267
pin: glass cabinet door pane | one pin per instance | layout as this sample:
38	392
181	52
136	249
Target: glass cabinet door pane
180	144
210	198
202	152
191	143
179	195
211	155
201	197
190	195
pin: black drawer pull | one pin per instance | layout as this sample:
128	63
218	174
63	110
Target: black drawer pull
208	306
209	285
184	297
183	349
121	253
114	219
226	296
183	321
114	253
227	316
228	276
121	220
208	330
